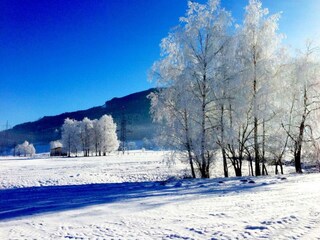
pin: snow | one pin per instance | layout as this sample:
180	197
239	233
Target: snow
114	168
128	197
55	144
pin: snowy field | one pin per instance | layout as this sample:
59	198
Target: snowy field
127	197
136	166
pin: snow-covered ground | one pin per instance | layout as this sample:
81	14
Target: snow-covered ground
125	197
42	170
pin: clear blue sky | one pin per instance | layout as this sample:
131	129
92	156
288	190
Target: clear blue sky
59	56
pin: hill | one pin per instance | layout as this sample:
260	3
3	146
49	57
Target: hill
134	108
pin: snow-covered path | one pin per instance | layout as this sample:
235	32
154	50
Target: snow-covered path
269	207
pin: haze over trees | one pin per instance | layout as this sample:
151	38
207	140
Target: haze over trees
233	92
89	136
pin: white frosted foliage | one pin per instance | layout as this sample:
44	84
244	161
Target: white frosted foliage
109	139
90	136
25	149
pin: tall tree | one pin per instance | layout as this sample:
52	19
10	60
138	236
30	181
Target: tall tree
305	101
87	130
258	45
70	136
108	130
190	63
96	137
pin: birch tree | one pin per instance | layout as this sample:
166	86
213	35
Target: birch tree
108	133
189	65
305	102
258	46
96	137
70	137
87	135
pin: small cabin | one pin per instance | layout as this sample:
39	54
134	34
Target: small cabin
56	151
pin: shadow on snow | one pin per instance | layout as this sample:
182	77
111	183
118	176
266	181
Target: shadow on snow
20	202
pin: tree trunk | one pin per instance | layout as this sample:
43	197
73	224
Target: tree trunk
297	160
203	130
224	157
238	171
255	109
69	146
256	148
298	145
191	164
281	167
225	164
189	144
251	165
264	169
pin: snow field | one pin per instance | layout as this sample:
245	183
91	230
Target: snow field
114	168
130	200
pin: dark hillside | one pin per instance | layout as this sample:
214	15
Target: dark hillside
134	107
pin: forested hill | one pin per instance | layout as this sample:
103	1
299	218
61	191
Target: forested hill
135	108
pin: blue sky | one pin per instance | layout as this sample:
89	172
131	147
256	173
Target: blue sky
60	56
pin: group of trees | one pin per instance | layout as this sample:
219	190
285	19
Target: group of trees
25	149
89	136
235	91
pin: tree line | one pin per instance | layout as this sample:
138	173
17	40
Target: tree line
89	136
235	92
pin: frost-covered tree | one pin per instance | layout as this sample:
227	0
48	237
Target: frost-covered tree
190	63
87	135
70	136
304	102
25	149
31	150
108	129
234	89
257	53
238	134
90	135
96	137
277	144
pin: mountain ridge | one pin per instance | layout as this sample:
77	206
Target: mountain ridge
134	107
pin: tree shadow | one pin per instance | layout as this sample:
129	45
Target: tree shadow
20	202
